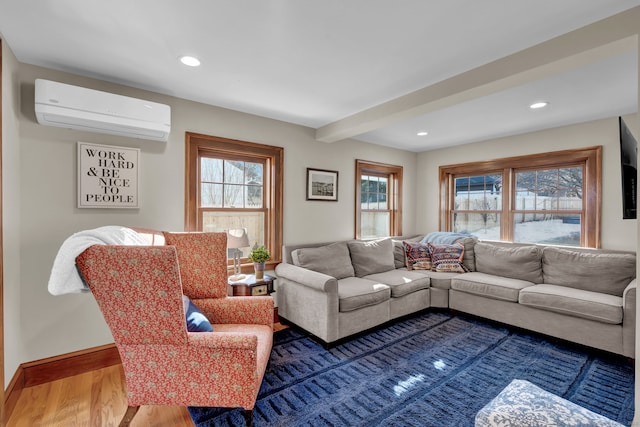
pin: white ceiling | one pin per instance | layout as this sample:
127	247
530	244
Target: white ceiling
315	63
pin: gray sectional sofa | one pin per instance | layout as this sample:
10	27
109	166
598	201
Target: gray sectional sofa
334	290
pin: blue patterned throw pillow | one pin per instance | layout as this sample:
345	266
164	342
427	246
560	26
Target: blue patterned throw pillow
196	321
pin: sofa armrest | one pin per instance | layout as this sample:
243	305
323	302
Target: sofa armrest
629	319
629	293
309	299
312	279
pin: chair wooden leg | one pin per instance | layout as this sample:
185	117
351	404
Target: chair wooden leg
128	416
248	417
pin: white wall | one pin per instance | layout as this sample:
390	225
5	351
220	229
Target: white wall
616	232
47	184
13	348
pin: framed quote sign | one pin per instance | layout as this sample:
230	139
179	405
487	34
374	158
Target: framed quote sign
107	176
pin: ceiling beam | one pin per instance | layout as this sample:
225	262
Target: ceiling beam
611	36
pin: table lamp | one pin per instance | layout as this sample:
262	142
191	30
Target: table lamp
237	238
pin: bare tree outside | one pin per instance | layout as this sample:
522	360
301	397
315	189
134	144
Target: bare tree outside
233	190
230	184
547	207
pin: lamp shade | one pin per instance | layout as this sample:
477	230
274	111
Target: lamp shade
237	238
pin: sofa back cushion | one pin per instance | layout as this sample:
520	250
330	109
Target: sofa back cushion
333	259
596	271
469	244
372	256
515	262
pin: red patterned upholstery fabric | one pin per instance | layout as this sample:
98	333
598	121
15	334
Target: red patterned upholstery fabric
139	291
247	310
203	263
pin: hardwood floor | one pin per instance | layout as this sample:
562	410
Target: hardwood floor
95	399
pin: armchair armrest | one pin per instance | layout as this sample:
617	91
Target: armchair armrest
223	340
225	364
240	310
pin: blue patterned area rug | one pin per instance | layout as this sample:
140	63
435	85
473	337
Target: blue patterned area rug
434	369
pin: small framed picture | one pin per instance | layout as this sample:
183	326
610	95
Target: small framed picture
322	185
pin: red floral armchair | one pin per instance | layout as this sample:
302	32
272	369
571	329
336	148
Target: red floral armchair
139	290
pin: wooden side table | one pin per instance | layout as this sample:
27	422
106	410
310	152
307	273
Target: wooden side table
251	287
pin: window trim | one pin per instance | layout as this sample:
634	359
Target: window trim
394	198
224	147
590	157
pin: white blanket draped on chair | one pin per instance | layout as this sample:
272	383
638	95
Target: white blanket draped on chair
64	278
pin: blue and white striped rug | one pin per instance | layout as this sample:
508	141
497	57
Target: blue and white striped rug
434	369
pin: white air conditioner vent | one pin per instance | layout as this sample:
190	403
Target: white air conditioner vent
73	107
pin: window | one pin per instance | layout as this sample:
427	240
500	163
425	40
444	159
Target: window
550	198
378	200
478	205
235	184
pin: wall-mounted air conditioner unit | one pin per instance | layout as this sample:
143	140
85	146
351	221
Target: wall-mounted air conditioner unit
73	107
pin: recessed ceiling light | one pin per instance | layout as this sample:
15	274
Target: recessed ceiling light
537	105
422	133
191	61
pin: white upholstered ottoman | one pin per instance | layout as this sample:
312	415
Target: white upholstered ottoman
522	404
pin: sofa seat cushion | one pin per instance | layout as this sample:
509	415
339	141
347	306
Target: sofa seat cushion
490	286
596	306
438	279
356	292
401	282
591	270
